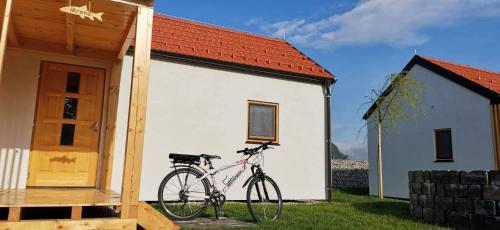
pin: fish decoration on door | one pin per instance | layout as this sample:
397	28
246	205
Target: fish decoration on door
82	11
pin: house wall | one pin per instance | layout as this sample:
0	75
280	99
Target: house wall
194	110
18	92
411	146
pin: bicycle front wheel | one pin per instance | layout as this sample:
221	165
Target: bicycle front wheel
264	199
182	195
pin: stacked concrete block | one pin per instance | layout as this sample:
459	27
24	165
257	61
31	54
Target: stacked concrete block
457	199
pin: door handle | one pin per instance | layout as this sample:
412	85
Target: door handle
95	127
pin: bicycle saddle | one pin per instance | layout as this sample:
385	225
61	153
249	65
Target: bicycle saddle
209	157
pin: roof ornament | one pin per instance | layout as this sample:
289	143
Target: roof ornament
82	11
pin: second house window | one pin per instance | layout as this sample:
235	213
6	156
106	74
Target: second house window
444	150
263	121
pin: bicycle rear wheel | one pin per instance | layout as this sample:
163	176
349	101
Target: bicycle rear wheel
180	202
264	199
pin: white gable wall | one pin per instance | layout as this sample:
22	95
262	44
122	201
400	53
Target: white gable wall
411	147
195	110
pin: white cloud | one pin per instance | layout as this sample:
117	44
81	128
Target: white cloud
393	22
254	21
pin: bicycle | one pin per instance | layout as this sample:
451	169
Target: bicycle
184	194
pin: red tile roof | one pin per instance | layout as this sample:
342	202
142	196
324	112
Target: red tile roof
485	78
180	36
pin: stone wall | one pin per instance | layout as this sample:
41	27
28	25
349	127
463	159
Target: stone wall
350	174
462	200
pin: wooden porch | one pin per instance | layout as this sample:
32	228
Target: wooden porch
58	197
40	26
74	208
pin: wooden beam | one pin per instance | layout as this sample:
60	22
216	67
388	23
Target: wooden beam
76	212
137	111
150	218
127	40
14	214
5	34
147	3
13	39
70	32
58	48
109	144
123	224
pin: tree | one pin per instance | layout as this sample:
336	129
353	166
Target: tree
398	99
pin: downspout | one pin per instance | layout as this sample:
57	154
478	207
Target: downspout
328	139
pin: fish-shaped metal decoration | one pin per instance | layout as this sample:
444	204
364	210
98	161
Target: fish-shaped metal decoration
82	11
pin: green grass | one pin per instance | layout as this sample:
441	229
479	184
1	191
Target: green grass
350	209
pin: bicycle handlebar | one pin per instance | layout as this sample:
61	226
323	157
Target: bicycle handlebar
252	151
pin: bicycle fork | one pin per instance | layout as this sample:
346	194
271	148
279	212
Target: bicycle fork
260	174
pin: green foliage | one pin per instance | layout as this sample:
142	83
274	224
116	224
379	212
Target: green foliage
337	154
398	99
346	211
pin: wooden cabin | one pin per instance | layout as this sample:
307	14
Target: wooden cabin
66	65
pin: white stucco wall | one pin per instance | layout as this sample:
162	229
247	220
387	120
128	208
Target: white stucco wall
18	91
194	110
447	105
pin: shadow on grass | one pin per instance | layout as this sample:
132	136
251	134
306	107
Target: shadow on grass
398	209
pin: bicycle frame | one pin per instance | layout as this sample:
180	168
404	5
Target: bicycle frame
212	172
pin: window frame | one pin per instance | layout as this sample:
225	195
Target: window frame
436	157
261	139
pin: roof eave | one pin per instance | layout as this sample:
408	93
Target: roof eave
443	72
160	53
333	76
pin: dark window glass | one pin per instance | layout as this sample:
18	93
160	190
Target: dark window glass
70	107
67	134
73	82
262	121
444	149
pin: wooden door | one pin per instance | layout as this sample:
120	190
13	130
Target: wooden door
65	147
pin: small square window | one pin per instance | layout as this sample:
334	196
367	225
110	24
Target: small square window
262	121
67	134
70	108
444	147
73	82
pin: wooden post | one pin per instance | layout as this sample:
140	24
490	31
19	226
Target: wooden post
495	123
4	35
137	113
14	214
76	212
109	143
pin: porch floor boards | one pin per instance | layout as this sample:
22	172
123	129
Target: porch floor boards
58	197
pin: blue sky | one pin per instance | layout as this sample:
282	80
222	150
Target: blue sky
361	41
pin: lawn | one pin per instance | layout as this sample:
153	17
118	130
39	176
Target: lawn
349	210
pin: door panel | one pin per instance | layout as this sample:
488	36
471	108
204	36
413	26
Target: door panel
67	126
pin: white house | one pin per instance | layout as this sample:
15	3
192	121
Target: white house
203	82
459	131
